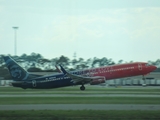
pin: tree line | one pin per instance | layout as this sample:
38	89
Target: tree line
35	62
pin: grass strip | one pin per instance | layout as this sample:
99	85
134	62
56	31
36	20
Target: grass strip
76	89
80	115
79	100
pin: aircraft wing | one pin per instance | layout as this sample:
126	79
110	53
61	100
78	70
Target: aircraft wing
80	78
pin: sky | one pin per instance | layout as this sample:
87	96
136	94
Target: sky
127	30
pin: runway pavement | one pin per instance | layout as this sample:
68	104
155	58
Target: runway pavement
80	107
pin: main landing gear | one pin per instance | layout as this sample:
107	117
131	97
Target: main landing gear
143	78
82	87
144	81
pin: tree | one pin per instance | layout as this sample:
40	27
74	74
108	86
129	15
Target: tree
104	61
30	60
1	61
96	62
81	64
74	63
64	61
120	61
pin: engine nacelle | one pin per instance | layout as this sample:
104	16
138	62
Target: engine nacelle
97	81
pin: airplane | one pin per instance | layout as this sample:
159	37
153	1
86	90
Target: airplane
93	76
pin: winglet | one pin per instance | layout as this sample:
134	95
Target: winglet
58	69
63	70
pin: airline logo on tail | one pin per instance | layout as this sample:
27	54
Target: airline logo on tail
16	71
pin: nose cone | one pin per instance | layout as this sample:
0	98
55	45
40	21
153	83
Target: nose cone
153	68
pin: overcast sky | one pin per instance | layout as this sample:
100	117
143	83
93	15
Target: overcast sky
117	29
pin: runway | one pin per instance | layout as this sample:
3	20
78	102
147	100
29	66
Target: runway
80	107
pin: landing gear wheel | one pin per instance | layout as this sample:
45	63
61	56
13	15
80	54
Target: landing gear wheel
144	82
82	88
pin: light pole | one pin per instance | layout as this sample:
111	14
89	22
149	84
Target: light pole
15	40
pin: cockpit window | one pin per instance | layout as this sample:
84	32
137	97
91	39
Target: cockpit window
148	64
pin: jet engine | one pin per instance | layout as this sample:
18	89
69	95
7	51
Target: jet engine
97	81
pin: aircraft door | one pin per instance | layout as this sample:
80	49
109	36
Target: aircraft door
34	83
140	66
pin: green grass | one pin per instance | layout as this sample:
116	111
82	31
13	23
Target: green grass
75	89
79	100
80	115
